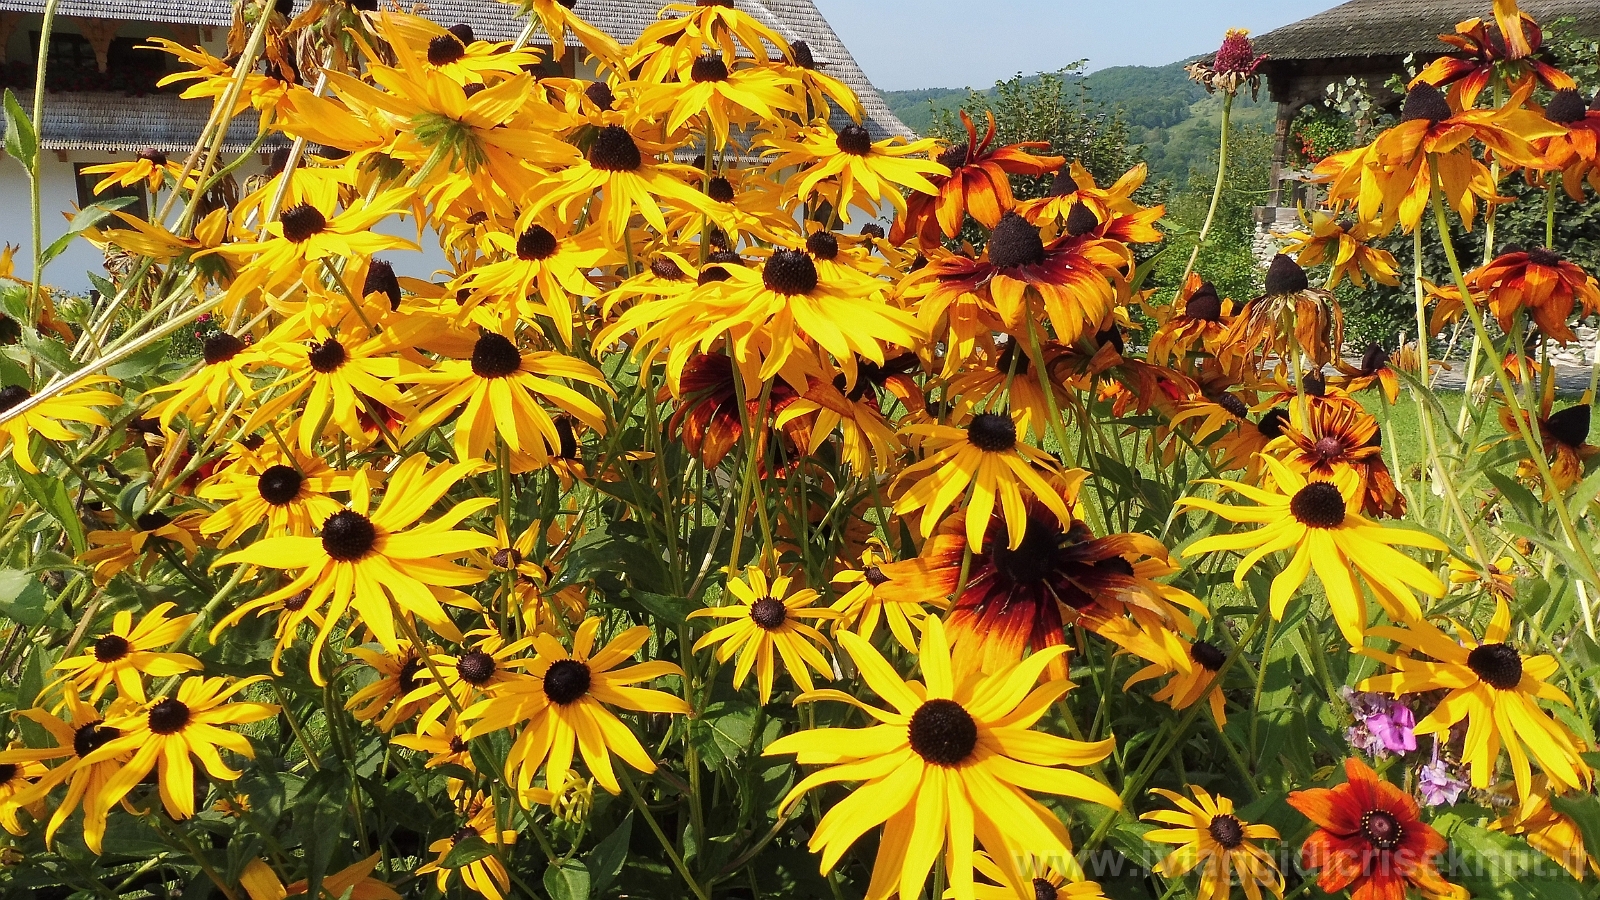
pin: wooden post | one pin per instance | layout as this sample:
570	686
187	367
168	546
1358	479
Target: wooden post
186	34
1280	150
8	24
99	33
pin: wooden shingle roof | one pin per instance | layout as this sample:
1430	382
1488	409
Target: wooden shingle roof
117	122
492	20
1393	28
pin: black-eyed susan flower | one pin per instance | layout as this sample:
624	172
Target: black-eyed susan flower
563	702
1321	522
1216	841
149	166
1198	319
15	779
979	185
383	700
486	875
554	258
691	30
1577	153
1565	435
375	563
986	459
1370	839
129	652
288	492
1120	219
1023	597
847	168
211	389
861	608
1555	834
1508	47
115	550
1025	876
1328	439
260	881
498	392
714	95
83	732
623	178
22	416
165	733
766	624
451	681
441	739
1495	689
1194	675
1499	577
949	765
1542	284
1343	245
330	379
305	234
454	52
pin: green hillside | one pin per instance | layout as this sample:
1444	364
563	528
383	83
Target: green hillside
1172	119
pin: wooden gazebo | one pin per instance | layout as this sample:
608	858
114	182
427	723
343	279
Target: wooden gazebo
1371	39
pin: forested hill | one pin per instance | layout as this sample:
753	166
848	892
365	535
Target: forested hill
1170	117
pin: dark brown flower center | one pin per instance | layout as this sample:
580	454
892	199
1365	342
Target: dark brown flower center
1033	560
1382	829
1227	831
874	230
768	613
1043	890
1566	107
494	356
1273	422
854	140
874	576
1285	276
1542	256
279	484
1327	449
1208	655
1425	102
720	190
567	438
168	716
381	280
1204	304
955	156
943	733
445	49
348	536
327	356
506	558
1064	185
91	737
601	95
823	245
1570	426
666	269
1014	243
1499	665
992	432
1081	220
790	272
156	158
615	150
1374	360
537	243
709	68
301	222
13	394
803	56
111	648
475	667
1318	505
566	680
406	678
221	348
152	521
1235	407
297	602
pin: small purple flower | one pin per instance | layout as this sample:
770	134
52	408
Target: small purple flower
1394	728
1383	726
1438	785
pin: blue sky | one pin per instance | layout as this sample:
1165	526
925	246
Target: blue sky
906	44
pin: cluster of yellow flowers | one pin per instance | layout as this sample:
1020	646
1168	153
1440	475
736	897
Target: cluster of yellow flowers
351	437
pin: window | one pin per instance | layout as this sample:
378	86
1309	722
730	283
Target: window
73	66
86	195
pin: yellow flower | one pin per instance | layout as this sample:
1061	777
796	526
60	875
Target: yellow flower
861	607
719	95
950	764
210	389
375	563
1495	689
170	730
766	622
848	169
305	234
261	883
44	416
286	492
115	551
1025	876
397	678
128	652
1552	833
1321	522
1344	245
1214	837
148	166
562	704
487	875
76	738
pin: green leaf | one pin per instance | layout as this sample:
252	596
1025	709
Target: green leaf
85	219
606	859
468	850
722	733
22	597
52	495
674	610
568	881
22	142
1495	866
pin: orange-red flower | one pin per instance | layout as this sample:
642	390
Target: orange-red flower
1511	45
1370	839
1542	283
978	185
1577	153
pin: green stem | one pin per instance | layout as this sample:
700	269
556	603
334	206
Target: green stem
1216	193
666	844
35	299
